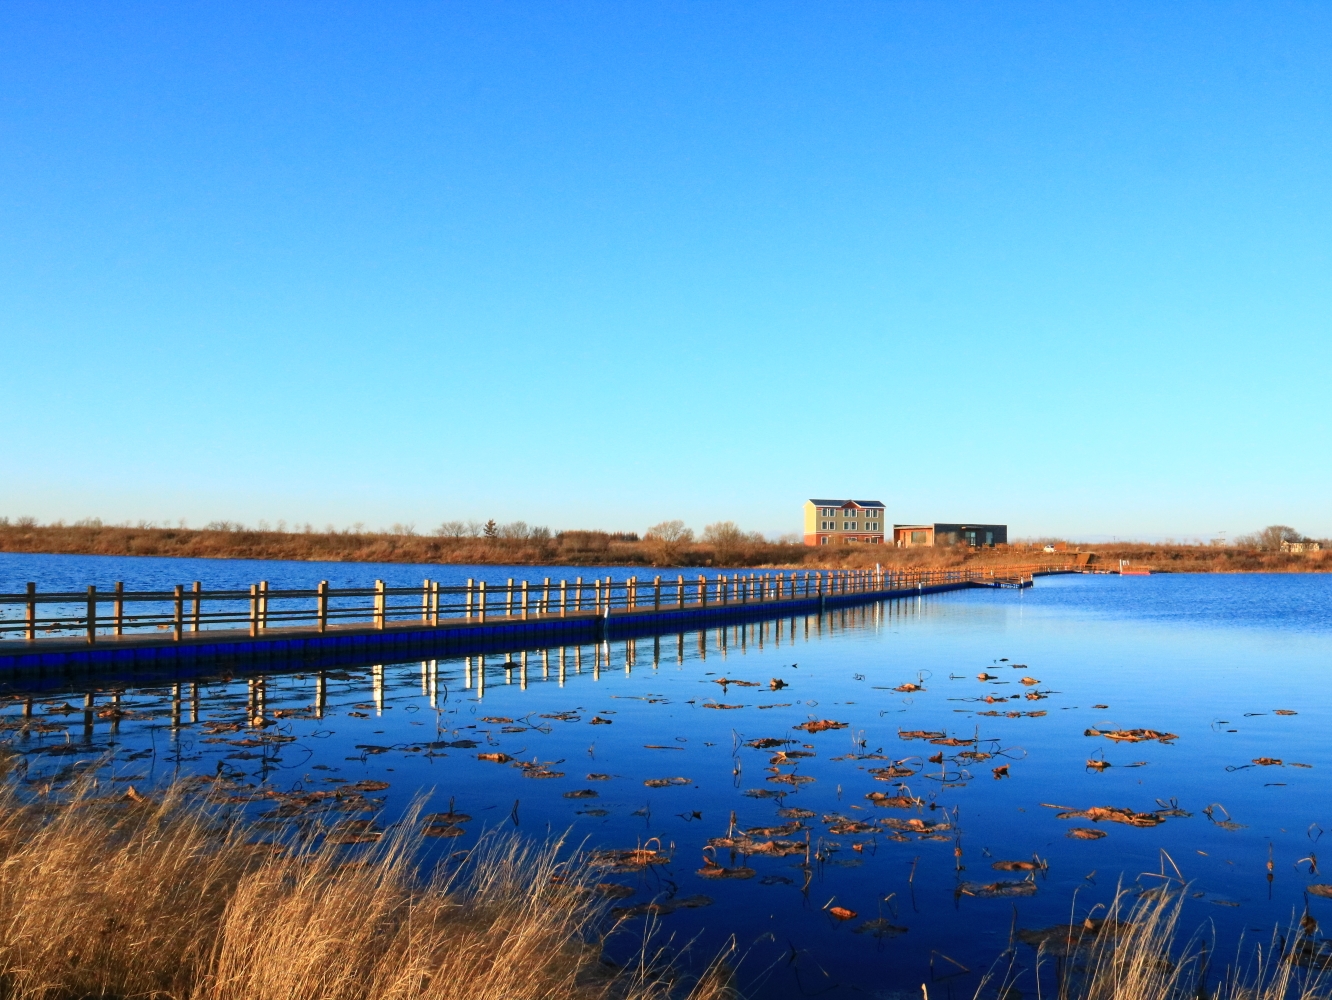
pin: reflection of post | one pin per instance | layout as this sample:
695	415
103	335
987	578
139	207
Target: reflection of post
260	698
480	677
321	694
194	701
596	661
522	673
467	673
508	668
434	683
628	657
702	644
578	659
656	652
377	683
561	666
175	707
545	664
679	649
87	717
425	677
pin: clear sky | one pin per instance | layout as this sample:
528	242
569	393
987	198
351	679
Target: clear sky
1064	266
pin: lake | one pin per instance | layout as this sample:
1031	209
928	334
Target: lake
975	719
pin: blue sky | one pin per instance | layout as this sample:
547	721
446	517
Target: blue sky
1064	266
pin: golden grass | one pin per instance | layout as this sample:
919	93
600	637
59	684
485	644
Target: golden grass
172	898
1133	953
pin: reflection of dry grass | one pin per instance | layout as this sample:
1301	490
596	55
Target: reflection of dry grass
1131	954
166	898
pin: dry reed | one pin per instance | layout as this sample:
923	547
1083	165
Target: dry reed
176	897
1133	953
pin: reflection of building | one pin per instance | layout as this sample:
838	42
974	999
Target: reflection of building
907	536
832	521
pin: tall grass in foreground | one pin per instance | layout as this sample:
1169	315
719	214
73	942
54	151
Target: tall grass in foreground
1133	953
164	898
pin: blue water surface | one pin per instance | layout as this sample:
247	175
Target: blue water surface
1211	660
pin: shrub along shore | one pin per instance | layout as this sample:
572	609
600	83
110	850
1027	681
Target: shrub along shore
595	548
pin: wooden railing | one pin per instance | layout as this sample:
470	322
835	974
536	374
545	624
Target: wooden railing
107	614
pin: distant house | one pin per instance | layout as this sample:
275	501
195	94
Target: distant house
829	522
1299	547
907	536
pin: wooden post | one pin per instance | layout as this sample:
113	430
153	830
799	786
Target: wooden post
92	615
564	599
679	592
254	610
596	594
656	594
434	604
425	602
481	604
631	594
197	610
524	603
178	623
545	596
32	612
702	596
381	604
119	608
263	604
508	599
467	611
578	594
321	607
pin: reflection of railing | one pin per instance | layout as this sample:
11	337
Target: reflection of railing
109	613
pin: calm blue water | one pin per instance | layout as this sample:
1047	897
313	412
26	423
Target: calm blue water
1207	658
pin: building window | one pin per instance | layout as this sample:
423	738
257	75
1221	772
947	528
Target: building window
918	537
823	540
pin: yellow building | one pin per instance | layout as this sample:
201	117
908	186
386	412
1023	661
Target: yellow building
831	522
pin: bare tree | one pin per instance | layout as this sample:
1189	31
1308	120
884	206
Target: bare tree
724	535
451	529
514	529
666	540
1270	538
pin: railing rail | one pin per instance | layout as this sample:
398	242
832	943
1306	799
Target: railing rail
101	614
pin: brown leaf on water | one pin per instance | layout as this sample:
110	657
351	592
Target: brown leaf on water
1099	765
666	782
582	793
598	777
1065	939
788	756
1284	711
1268	761
599	721
711	869
366	785
355	831
449	817
1113	814
791	812
498	758
1019	866
633	859
908	688
1029	681
496	719
1100	706
791	779
1131	735
661	907
777	684
895	801
880	928
915	825
843	825
936	759
992	890
767	743
953	741
442	830
920	734
1036	696
1000	772
713	704
1085	833
726	681
776	848
613	890
892	772
842	913
987	677
561	716
785	830
820	725
1319	890
762	793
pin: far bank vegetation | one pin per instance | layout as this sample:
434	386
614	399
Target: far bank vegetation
668	544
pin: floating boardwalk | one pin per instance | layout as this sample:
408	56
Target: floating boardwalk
120	634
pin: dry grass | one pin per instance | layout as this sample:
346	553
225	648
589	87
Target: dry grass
594	548
170	898
1133	953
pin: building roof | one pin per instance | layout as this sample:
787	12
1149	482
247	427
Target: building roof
839	503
